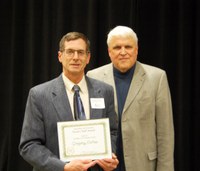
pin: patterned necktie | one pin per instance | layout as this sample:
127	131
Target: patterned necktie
79	112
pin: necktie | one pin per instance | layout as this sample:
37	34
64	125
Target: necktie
79	112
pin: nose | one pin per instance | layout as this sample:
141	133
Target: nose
123	51
76	55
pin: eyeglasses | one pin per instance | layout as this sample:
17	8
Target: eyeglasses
70	53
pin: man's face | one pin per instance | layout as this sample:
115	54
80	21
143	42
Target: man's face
123	52
74	58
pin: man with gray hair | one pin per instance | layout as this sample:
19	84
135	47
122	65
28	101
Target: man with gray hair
143	104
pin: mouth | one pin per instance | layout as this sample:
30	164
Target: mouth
75	65
123	59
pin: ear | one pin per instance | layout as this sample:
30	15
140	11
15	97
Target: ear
109	51
88	58
136	50
60	56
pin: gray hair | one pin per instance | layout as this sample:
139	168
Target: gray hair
121	31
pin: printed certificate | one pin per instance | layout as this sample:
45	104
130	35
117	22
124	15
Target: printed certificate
85	139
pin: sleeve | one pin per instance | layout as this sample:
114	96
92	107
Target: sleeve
164	126
32	143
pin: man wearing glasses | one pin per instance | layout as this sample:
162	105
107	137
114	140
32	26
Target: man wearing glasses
52	102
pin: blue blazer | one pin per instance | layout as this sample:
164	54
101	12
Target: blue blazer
48	104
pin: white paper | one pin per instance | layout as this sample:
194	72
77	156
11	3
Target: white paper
86	139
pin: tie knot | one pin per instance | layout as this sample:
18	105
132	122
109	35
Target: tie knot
76	88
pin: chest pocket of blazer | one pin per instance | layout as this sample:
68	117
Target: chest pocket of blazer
152	155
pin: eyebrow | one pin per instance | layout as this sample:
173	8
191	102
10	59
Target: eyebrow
76	49
119	46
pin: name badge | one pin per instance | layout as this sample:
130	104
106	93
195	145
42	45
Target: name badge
97	103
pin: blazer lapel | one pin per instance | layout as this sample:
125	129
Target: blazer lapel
94	92
136	84
109	78
60	100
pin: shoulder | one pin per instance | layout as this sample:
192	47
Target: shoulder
152	75
92	82
101	73
149	69
47	86
100	69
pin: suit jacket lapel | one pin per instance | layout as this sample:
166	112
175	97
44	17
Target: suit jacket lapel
60	100
94	92
109	78
136	84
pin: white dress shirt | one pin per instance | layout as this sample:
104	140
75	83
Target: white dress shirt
83	93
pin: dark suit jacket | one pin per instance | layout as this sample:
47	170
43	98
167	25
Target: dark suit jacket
48	104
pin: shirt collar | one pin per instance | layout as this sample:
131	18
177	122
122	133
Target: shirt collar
69	84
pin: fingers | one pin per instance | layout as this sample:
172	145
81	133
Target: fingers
108	164
89	164
79	165
114	156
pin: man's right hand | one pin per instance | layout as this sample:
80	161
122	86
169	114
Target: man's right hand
79	165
